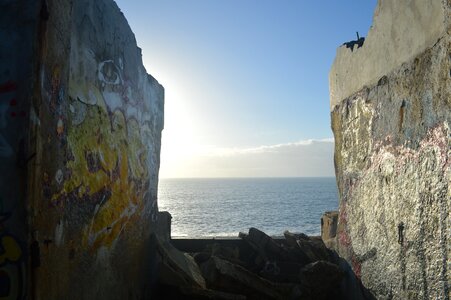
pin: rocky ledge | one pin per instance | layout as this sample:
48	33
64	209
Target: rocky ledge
295	266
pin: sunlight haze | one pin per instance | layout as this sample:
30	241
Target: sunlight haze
242	75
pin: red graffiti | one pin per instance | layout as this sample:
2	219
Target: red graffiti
356	266
14	114
7	87
344	239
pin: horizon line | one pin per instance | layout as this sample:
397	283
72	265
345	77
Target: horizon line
249	177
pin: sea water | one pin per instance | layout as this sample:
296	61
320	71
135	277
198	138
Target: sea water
224	207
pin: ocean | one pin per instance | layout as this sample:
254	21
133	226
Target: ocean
224	207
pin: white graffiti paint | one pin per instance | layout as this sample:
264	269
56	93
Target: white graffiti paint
78	111
87	98
109	73
34	117
59	176
59	233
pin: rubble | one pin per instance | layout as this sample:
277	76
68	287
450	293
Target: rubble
177	268
321	280
225	276
255	267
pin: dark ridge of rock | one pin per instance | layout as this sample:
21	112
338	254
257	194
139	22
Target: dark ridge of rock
321	280
269	250
177	268
281	272
225	276
190	293
258	267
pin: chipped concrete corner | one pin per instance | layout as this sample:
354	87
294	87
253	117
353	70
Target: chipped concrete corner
392	157
80	134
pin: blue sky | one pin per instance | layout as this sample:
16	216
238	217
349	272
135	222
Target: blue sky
242	74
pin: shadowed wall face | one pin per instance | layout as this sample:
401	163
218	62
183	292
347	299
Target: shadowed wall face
88	128
18	27
392	158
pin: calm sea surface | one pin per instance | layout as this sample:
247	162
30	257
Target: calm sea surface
223	207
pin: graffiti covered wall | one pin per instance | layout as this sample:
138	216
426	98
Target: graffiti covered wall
80	132
392	155
99	146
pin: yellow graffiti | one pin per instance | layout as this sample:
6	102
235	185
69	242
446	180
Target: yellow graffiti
108	156
11	250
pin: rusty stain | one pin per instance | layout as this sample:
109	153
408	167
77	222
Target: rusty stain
60	127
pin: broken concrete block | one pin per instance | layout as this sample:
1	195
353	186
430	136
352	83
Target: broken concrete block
268	249
281	272
225	276
291	238
177	268
329	223
310	248
314	249
321	280
164	225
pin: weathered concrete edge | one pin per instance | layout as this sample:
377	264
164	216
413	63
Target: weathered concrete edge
397	35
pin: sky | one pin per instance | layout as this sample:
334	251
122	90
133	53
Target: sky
246	81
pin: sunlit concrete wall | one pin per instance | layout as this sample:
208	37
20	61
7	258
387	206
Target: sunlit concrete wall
400	31
391	118
80	136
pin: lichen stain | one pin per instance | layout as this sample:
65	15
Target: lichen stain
108	160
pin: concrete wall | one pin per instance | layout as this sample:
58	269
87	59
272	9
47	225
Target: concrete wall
81	144
392	159
401	30
18	27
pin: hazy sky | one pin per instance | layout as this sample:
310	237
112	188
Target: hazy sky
246	81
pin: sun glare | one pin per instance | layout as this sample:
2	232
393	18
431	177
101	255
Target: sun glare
180	137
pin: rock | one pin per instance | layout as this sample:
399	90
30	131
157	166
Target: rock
291	238
299	268
201	257
281	272
351	287
314	249
311	248
163	229
321	280
201	294
231	254
269	250
240	254
225	276
190	293
177	268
